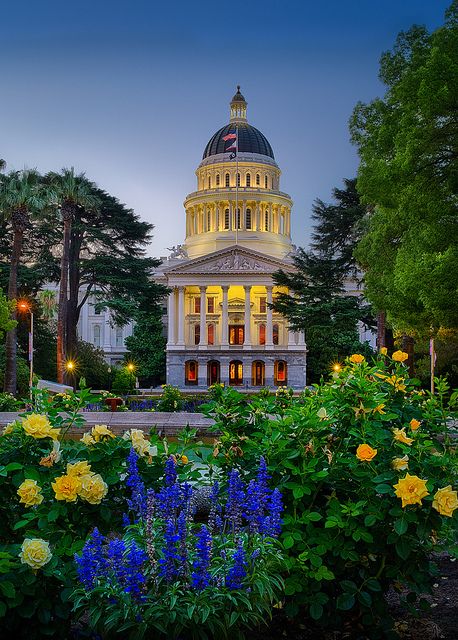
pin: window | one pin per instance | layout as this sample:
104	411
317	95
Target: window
266	221
235	372
248	179
217	179
97	335
227	179
262	304
248	219
258	373
213	372
265	182
258	179
209	221
239	221
238	179
197	334
191	372
226	219
209	182
211	304
275	333
197	304
211	334
236	334
262	334
119	337
280	373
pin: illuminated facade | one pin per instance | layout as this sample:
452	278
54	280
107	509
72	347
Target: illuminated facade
220	326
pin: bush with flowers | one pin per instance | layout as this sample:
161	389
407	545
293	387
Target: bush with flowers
367	468
177	578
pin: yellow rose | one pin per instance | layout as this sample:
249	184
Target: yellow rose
400	464
53	457
67	488
93	488
87	439
411	490
414	424
8	428
356	358
446	501
78	469
400	436
101	432
35	552
38	426
30	493
365	452
383	351
400	356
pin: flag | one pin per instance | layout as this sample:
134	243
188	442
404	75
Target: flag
231	144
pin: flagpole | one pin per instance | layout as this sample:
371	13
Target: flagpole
236	184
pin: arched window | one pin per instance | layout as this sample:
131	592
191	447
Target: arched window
209	220
262	334
119	337
227	179
275	333
238	179
265	182
197	334
97	335
280	373
213	370
226	219
258	373
266	221
248	179
258	179
239	221
191	372
248	219
235	372
209	182
217	179
211	334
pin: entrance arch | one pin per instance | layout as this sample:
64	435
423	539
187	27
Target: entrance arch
213	372
280	373
258	370
235	372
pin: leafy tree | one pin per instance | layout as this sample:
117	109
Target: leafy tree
92	366
71	192
6	310
147	348
21	196
408	145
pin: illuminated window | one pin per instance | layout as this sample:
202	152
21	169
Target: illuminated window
226	219
248	219
262	334
235	372
217	179
238	179
227	179
265	182
197	334
262	304
211	304
280	373
258	373
197	304
97	335
236	334
209	182
248	179
211	334
191	372
258	179
275	333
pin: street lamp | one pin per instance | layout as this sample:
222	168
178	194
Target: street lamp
131	368
24	307
70	367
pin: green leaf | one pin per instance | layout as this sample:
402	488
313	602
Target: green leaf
345	601
14	466
373	584
288	542
314	516
370	520
401	526
316	611
403	548
8	589
384	488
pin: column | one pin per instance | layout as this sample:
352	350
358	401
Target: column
171	318
301	340
291	337
269	330
247	338
106	331
225	316
257	224
180	316
203	317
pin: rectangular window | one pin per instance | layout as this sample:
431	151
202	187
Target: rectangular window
236	334
263	304
211	334
197	334
197	305
211	304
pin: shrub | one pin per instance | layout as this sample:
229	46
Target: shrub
365	466
8	402
171	399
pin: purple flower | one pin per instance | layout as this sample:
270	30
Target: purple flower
272	523
137	502
254	507
170	472
201	575
167	563
215	522
91	564
134	577
237	572
263	482
182	548
235	501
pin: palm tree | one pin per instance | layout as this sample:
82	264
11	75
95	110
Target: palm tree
70	192
21	195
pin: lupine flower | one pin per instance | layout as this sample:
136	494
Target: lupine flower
134	575
168	501
170	472
235	501
137	502
201	575
275	509
254	508
91	564
115	556
185	495
237	572
167	563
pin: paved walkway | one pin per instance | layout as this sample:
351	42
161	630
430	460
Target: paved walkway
166	424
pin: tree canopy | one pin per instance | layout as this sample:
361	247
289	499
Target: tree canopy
408	146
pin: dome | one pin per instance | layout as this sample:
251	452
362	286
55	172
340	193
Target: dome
251	140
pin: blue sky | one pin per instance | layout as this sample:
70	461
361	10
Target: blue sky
130	92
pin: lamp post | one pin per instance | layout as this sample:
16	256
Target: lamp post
131	369
25	307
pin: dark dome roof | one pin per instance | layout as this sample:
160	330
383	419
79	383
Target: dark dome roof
238	96
251	140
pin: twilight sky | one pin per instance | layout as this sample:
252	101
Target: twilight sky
130	92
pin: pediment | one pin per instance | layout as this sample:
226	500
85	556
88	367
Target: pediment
232	260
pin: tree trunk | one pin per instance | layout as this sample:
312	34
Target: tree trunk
76	240
19	220
407	346
67	216
381	330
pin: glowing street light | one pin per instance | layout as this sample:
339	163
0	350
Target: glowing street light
23	306
70	366
131	367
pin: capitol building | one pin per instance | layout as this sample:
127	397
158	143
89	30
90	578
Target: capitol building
220	325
